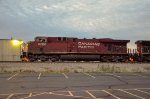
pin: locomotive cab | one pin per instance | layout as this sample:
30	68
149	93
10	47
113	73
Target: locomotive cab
41	39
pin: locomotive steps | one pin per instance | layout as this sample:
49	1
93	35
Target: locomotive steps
73	67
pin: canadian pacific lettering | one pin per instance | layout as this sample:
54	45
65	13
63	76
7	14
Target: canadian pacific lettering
87	44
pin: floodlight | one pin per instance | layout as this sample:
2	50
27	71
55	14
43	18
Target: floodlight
17	42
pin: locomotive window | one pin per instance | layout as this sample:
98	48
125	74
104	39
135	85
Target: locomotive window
39	40
43	40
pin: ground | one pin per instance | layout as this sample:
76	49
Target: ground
35	85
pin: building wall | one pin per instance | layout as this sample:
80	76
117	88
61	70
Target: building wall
8	51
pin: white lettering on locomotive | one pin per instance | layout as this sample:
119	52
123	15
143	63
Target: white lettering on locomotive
42	44
87	44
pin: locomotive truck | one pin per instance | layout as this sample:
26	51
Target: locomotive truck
77	49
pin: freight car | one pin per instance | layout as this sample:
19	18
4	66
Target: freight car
76	49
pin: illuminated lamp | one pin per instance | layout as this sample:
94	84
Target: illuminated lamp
17	42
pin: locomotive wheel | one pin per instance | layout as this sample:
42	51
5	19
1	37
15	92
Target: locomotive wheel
42	58
53	59
32	60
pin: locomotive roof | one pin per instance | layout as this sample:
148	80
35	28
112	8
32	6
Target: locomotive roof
107	40
113	40
52	37
144	42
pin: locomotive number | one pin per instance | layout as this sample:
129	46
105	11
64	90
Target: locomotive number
41	44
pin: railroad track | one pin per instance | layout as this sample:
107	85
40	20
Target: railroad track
77	62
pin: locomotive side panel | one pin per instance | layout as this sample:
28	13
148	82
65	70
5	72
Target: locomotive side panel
88	46
56	48
115	46
33	47
49	46
99	46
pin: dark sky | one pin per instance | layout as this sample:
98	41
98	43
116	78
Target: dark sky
118	19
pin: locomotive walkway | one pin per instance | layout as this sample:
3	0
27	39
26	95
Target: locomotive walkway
37	85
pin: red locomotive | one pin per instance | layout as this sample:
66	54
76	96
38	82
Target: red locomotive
70	48
143	49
